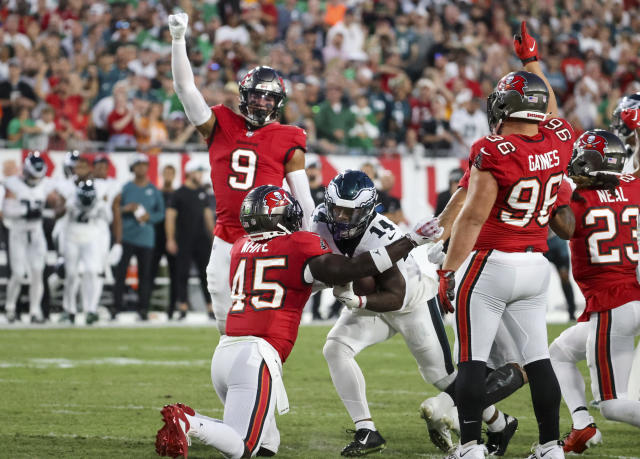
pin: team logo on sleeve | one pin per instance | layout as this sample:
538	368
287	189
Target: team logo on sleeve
593	142
513	83
275	200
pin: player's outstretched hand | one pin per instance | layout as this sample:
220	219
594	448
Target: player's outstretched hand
446	289
525	45
435	254
631	118
344	294
178	25
426	230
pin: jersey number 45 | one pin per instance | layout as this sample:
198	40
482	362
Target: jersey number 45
264	294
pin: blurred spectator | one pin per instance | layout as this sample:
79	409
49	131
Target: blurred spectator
121	123
333	119
314	174
443	197
141	206
160	247
14	93
46	128
468	124
20	128
180	131
151	131
365	130
389	205
189	229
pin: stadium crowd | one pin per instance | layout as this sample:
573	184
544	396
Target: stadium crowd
378	77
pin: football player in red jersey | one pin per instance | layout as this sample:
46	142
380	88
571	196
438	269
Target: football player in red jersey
602	226
245	151
272	270
495	252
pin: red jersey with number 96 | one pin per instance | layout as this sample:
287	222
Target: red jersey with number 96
268	288
529	171
604	247
242	159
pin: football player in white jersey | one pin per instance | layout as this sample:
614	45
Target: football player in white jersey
85	214
403	302
23	210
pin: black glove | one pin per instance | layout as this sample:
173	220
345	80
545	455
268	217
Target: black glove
33	214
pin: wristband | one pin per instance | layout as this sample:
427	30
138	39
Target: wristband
381	259
529	59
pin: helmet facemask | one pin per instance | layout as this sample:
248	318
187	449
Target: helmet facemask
262	96
349	216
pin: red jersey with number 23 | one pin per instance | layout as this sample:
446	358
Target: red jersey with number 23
529	171
268	289
604	248
242	159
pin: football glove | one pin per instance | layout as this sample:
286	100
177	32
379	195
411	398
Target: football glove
435	254
178	25
426	230
115	254
446	289
525	45
344	294
631	118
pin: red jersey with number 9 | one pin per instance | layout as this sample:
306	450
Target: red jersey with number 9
242	159
529	171
268	288
604	246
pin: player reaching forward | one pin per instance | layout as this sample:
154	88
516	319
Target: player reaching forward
495	254
272	270
602	226
244	151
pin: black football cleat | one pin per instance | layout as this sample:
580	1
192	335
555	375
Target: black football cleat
365	441
497	442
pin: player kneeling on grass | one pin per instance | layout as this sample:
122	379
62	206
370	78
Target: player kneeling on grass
400	301
272	270
600	218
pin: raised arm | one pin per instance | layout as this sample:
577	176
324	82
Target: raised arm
299	184
195	107
526	49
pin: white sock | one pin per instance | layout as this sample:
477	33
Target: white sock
365	425
36	290
347	378
621	410
572	386
216	433
70	294
89	283
499	424
13	291
581	419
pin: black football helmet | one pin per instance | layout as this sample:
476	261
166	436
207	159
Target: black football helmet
269	211
350	200
261	84
34	168
86	194
597	150
70	160
520	95
617	125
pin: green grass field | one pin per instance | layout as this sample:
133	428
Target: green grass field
98	393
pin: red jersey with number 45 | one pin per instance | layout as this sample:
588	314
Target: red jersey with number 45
242	159
529	171
604	247
268	289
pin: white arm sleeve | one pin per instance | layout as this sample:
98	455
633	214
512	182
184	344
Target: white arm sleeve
299	185
194	104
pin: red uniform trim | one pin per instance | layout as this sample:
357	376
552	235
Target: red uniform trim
260	408
604	365
463	301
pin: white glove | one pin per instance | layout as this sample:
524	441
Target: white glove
115	254
178	25
435	253
426	230
344	294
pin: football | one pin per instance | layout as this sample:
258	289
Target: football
364	286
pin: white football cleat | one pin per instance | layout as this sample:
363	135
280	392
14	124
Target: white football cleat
450	418
434	416
470	450
550	450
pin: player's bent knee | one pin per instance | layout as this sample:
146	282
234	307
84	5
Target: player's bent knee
335	350
557	353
